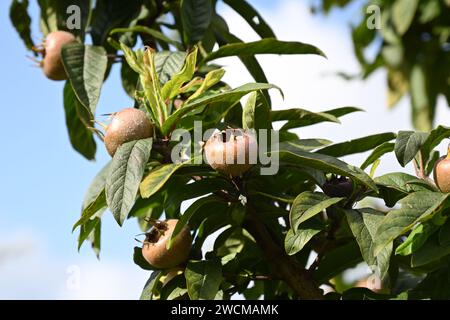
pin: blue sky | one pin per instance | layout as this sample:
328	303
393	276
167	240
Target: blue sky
44	179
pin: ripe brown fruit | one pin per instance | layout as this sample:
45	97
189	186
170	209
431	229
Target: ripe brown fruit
338	187
127	125
155	251
442	173
232	151
52	63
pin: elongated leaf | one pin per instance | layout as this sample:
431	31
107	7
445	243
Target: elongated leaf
172	87
203	279
305	144
403	12
430	252
306	205
150	285
342	111
156	179
295	241
87	229
18	14
337	260
152	32
110	14
96	206
300	117
407	145
416	207
357	145
125	174
264	46
211	78
416	238
168	63
248	113
230	96
402	182
364	223
86	66
195	17
377	153
444	234
296	156
436	286
253	18
435	137
77	122
187	215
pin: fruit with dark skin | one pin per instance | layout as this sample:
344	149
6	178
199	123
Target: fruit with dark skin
441	172
232	151
154	249
52	63
338	187
127	125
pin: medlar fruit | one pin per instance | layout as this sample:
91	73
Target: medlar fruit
127	125
52	62
442	173
154	249
230	151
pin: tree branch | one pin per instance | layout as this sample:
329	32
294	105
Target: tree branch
283	265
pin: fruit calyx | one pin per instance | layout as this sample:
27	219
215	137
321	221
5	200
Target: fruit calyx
338	187
232	151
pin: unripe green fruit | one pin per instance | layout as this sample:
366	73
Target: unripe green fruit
52	63
155	251
127	125
230	151
442	173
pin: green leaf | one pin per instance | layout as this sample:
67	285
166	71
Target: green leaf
203	279
231	96
87	229
304	144
86	66
296	156
430	252
152	32
416	239
195	17
150	285
129	79
94	208
306	205
172	87
357	145
416	207
77	122
403	12
256	112
110	14
139	259
156	179
253	18
336	261
264	46
187	215
300	117
435	137
436	285
126	171
18	14
95	238
403	182
364	223
383	148
213	77
407	145
168	63
296	240
444	234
